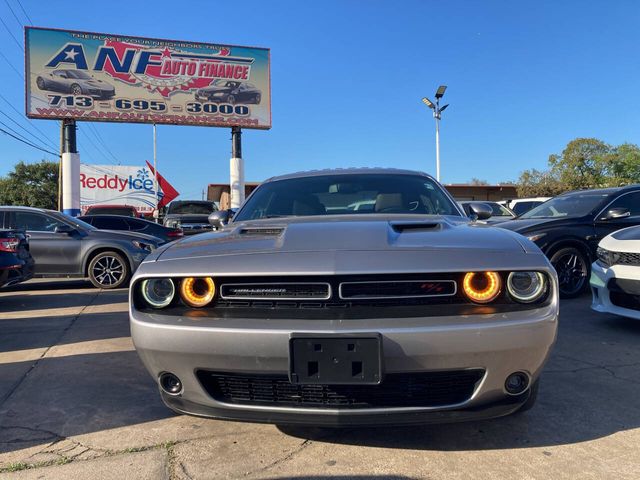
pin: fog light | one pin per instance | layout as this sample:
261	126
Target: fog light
516	383
170	383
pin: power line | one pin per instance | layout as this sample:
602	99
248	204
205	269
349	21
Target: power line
12	35
101	140
28	143
11	65
13	13
25	12
97	149
45	143
21	114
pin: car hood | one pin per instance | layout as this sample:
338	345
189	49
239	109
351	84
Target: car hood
359	233
120	235
534	224
97	83
188	217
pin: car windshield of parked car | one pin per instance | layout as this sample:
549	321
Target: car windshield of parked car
498	210
78	75
573	205
194	208
348	194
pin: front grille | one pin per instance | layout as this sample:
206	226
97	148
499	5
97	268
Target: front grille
397	289
625	258
276	291
423	389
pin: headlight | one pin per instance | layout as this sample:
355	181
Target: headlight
526	287
197	292
536	236
143	246
482	287
605	257
158	292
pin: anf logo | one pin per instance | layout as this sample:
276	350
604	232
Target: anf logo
71	53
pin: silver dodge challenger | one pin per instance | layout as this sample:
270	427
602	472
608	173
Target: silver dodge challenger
307	310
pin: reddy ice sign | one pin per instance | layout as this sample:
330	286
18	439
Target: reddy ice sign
115	78
123	185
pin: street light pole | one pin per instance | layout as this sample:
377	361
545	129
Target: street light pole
437	111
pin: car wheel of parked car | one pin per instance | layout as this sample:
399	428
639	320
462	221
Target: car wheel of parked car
76	90
531	401
231	99
40	83
109	270
573	271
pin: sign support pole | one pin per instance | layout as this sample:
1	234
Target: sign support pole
70	169
236	169
156	214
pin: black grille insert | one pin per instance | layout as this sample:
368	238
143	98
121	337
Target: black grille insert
397	289
423	389
275	291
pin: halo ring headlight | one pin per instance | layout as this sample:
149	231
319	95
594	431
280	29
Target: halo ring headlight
197	291
482	287
158	292
526	287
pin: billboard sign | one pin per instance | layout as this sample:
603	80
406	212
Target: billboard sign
123	185
116	78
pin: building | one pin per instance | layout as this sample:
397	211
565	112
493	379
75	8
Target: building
219	192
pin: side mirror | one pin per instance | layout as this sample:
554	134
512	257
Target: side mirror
616	213
220	218
479	211
64	228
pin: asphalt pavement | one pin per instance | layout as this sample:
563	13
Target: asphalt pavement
76	403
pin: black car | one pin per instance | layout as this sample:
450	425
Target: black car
16	262
225	91
119	222
568	228
63	246
190	215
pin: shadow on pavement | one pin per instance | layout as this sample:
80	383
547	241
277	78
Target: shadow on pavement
50	284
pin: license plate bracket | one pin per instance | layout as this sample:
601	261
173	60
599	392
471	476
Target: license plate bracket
335	359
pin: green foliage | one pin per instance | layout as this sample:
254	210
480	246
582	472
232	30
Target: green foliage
584	163
32	185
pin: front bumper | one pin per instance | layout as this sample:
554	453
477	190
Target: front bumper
500	344
600	293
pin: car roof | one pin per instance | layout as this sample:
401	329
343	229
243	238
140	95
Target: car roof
605	191
118	216
27	209
347	171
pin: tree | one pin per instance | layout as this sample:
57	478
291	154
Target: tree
477	181
31	185
537	183
622	165
582	163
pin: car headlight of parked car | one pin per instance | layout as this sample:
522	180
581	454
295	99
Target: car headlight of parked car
606	258
526	287
142	245
158	292
534	237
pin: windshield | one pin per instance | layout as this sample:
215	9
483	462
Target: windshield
499	211
571	205
195	208
77	74
76	222
347	194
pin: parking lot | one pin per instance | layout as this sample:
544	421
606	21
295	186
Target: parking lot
75	402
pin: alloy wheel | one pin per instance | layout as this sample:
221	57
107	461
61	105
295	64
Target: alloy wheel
572	271
108	271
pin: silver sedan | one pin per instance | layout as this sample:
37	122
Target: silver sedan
305	310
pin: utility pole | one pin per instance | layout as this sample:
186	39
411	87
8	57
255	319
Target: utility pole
437	112
236	169
156	214
70	169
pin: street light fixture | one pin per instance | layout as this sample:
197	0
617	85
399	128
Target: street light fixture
437	111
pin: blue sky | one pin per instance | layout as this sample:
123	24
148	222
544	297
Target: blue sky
523	79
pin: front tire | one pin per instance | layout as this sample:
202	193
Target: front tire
109	270
573	270
231	99
41	83
76	90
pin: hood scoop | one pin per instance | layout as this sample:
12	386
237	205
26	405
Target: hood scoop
268	231
408	227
